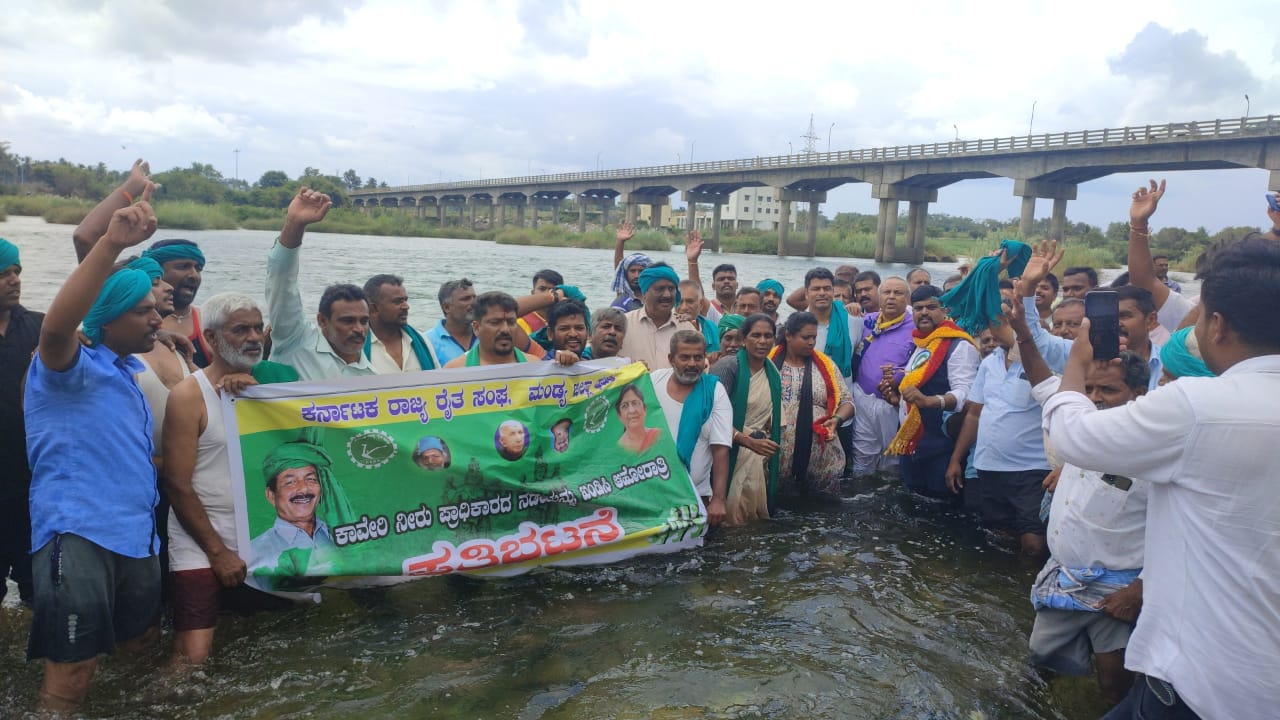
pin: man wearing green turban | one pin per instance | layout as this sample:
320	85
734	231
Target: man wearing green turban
19	334
308	500
93	482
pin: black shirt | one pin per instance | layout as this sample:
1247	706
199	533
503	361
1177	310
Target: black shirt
16	347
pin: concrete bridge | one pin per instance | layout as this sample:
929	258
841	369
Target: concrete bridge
1044	165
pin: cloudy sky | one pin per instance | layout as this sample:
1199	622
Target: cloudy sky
422	91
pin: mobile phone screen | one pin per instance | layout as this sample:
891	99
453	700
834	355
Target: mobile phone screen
1102	307
1271	200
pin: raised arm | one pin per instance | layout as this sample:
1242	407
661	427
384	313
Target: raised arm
1142	270
59	341
693	251
307	207
94	225
1053	349
625	231
284	300
1037	369
797	299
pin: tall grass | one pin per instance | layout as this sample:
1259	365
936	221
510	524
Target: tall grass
560	236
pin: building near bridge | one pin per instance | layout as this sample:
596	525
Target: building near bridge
751	208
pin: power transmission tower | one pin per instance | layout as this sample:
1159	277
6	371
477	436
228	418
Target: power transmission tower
811	139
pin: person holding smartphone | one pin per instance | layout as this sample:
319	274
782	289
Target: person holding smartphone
1205	643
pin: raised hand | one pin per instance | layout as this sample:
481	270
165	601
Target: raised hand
132	225
139	178
625	232
692	246
307	207
1043	260
1015	313
1144	203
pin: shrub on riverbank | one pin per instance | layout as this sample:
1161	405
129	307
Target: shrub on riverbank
560	236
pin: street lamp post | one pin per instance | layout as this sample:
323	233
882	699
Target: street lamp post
692	143
237	152
833	127
598	159
953	127
790	150
1032	124
1246	105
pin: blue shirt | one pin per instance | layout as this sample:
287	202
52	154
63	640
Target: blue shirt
1055	349
1009	434
89	443
445	346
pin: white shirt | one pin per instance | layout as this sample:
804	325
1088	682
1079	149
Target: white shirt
382	361
717	430
1093	523
1173	311
1210	621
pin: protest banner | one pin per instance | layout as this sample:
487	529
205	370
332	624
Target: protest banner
493	469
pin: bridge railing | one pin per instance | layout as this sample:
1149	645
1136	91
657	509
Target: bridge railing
1079	139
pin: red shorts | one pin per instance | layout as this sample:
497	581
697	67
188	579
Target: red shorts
198	597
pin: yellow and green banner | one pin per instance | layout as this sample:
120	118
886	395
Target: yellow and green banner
493	469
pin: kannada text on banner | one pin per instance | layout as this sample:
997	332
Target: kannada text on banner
494	469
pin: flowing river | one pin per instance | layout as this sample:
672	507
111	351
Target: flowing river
882	606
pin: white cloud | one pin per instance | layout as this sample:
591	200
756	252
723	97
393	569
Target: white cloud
455	89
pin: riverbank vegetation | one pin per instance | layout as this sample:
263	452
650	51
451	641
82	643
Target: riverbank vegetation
199	197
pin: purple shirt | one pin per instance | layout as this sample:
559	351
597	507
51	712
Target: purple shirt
893	347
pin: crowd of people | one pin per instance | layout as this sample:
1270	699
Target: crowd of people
1141	482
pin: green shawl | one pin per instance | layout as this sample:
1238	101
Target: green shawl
741	391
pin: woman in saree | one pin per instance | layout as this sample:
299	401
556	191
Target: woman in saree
755	390
815	401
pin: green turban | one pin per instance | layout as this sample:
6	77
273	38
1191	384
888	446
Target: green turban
176	251
124	289
308	451
730	322
8	255
148	266
653	274
771	284
1181	355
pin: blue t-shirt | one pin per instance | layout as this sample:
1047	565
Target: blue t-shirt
1009	435
443	343
89	443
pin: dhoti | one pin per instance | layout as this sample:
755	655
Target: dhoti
875	422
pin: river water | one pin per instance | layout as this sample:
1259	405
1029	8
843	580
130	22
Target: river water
881	606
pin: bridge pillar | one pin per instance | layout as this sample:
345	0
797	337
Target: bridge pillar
604	213
917	216
520	215
784	224
715	226
887	223
655	216
1060	193
631	211
1058	225
491	214
813	197
1028	217
582	215
473	214
716	200
533	206
555	211
440	214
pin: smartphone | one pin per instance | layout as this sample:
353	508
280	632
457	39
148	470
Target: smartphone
1271	200
1102	307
